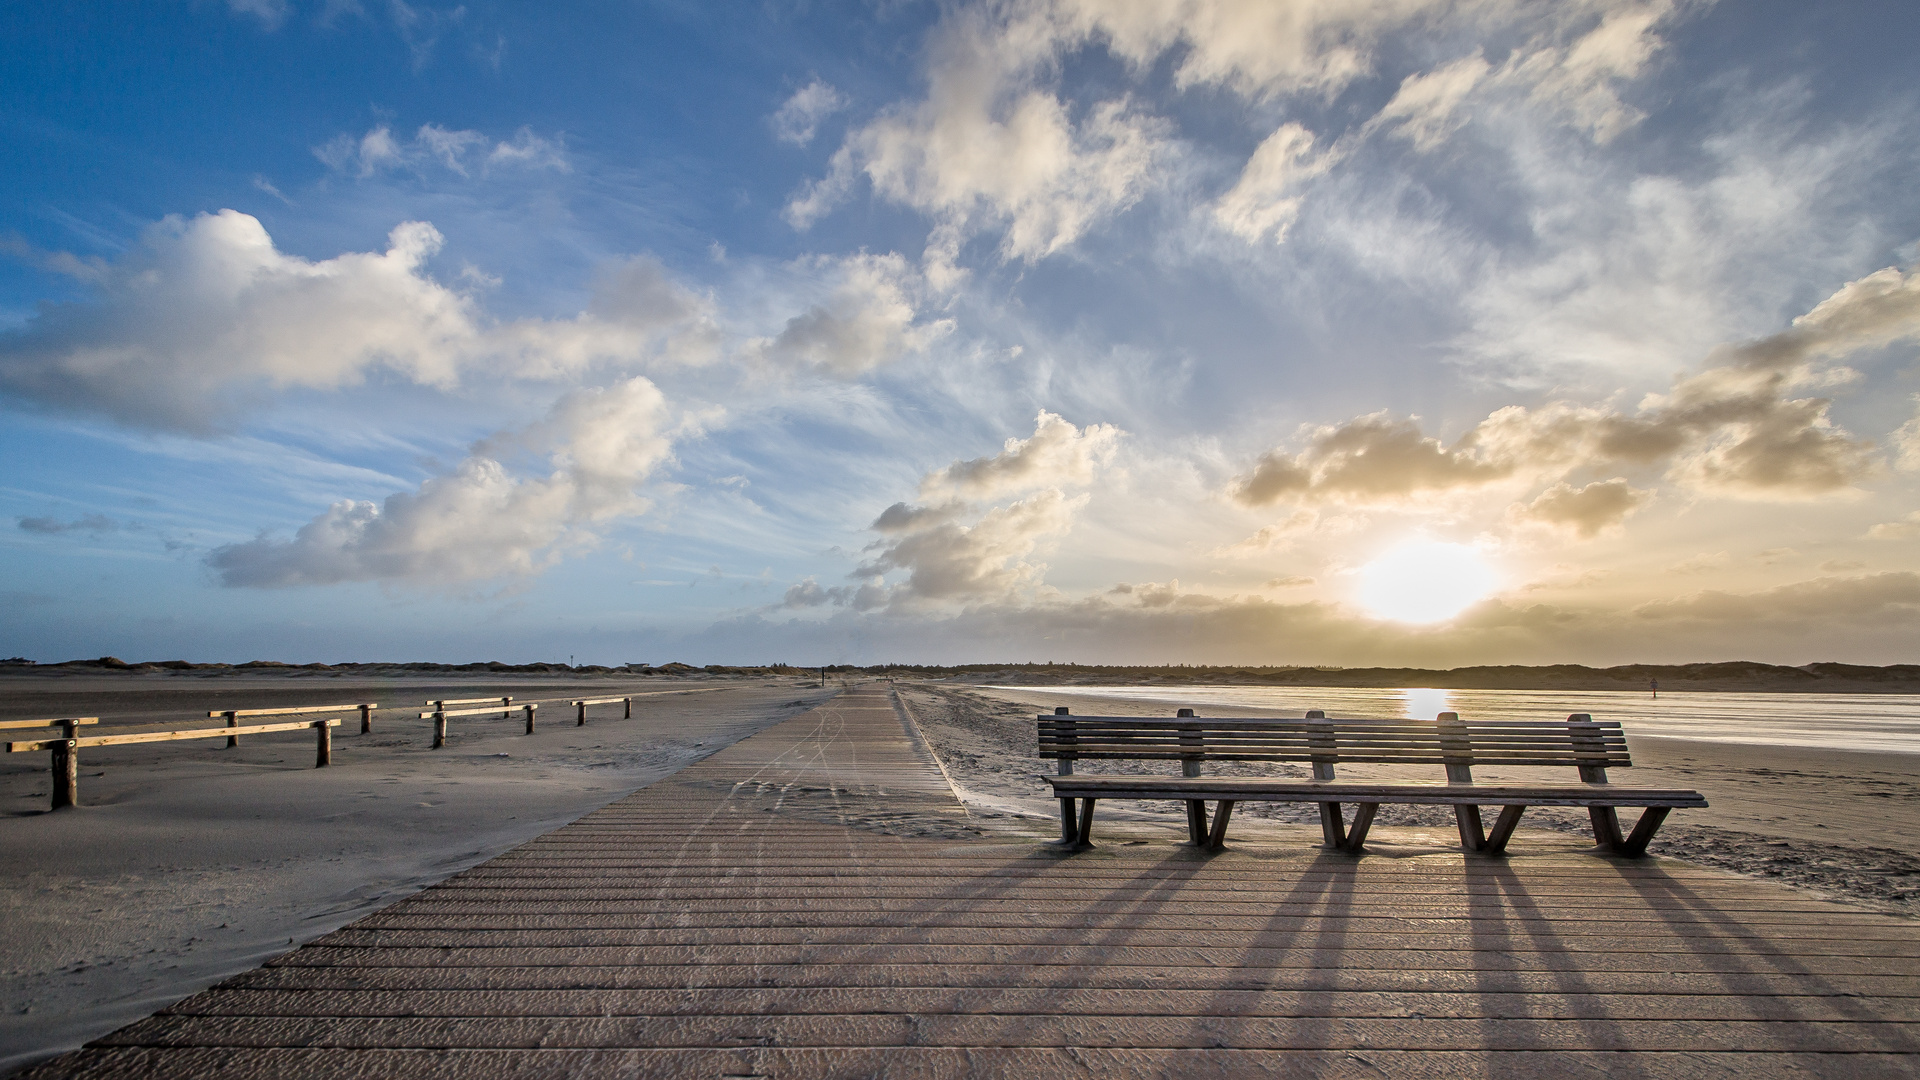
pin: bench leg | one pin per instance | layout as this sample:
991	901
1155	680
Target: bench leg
1217	838
1069	824
1197	822
1473	836
1333	830
1362	821
1086	823
1649	823
1606	827
1503	827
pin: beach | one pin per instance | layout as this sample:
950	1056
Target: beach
188	861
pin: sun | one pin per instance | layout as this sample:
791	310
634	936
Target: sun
1424	581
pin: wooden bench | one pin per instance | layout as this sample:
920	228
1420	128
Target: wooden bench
66	750
1580	742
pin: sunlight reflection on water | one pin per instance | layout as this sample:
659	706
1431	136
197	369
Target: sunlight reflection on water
1874	723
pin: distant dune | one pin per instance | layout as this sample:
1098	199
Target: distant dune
1737	675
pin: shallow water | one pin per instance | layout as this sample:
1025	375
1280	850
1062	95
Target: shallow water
1874	723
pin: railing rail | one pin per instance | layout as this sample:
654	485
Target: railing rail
66	751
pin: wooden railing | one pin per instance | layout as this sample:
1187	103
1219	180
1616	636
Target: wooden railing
66	750
506	704
580	719
441	712
233	715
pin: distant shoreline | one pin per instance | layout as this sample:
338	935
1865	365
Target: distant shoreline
1731	676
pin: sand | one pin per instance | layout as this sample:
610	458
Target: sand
1841	825
188	862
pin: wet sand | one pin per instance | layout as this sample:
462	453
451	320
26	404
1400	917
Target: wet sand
187	861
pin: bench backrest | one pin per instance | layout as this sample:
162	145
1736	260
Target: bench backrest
1579	741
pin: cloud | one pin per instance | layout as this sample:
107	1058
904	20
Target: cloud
1426	108
1585	511
1733	430
271	13
1057	454
1369	460
459	152
868	320
47	526
988	147
797	119
206	315
1906	443
1871	312
481	520
208	305
950	562
1293	581
1873	596
1582	78
1905	529
1260	202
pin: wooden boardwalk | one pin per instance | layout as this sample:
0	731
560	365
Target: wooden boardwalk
811	902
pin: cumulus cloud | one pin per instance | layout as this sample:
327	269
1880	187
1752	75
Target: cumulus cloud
1369	460
462	152
798	118
1874	311
1735	429
481	520
1584	511
206	314
951	551
987	146
948	561
1057	454
1263	201
870	318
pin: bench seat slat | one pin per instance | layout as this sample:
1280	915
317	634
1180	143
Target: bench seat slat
1427	792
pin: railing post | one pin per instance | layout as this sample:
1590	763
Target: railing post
629	704
66	767
506	707
581	720
529	710
324	755
439	726
233	720
366	719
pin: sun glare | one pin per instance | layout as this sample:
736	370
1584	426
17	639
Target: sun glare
1424	581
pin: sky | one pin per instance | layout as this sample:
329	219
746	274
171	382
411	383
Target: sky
1334	332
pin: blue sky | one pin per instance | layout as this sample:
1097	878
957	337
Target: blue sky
1049	329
